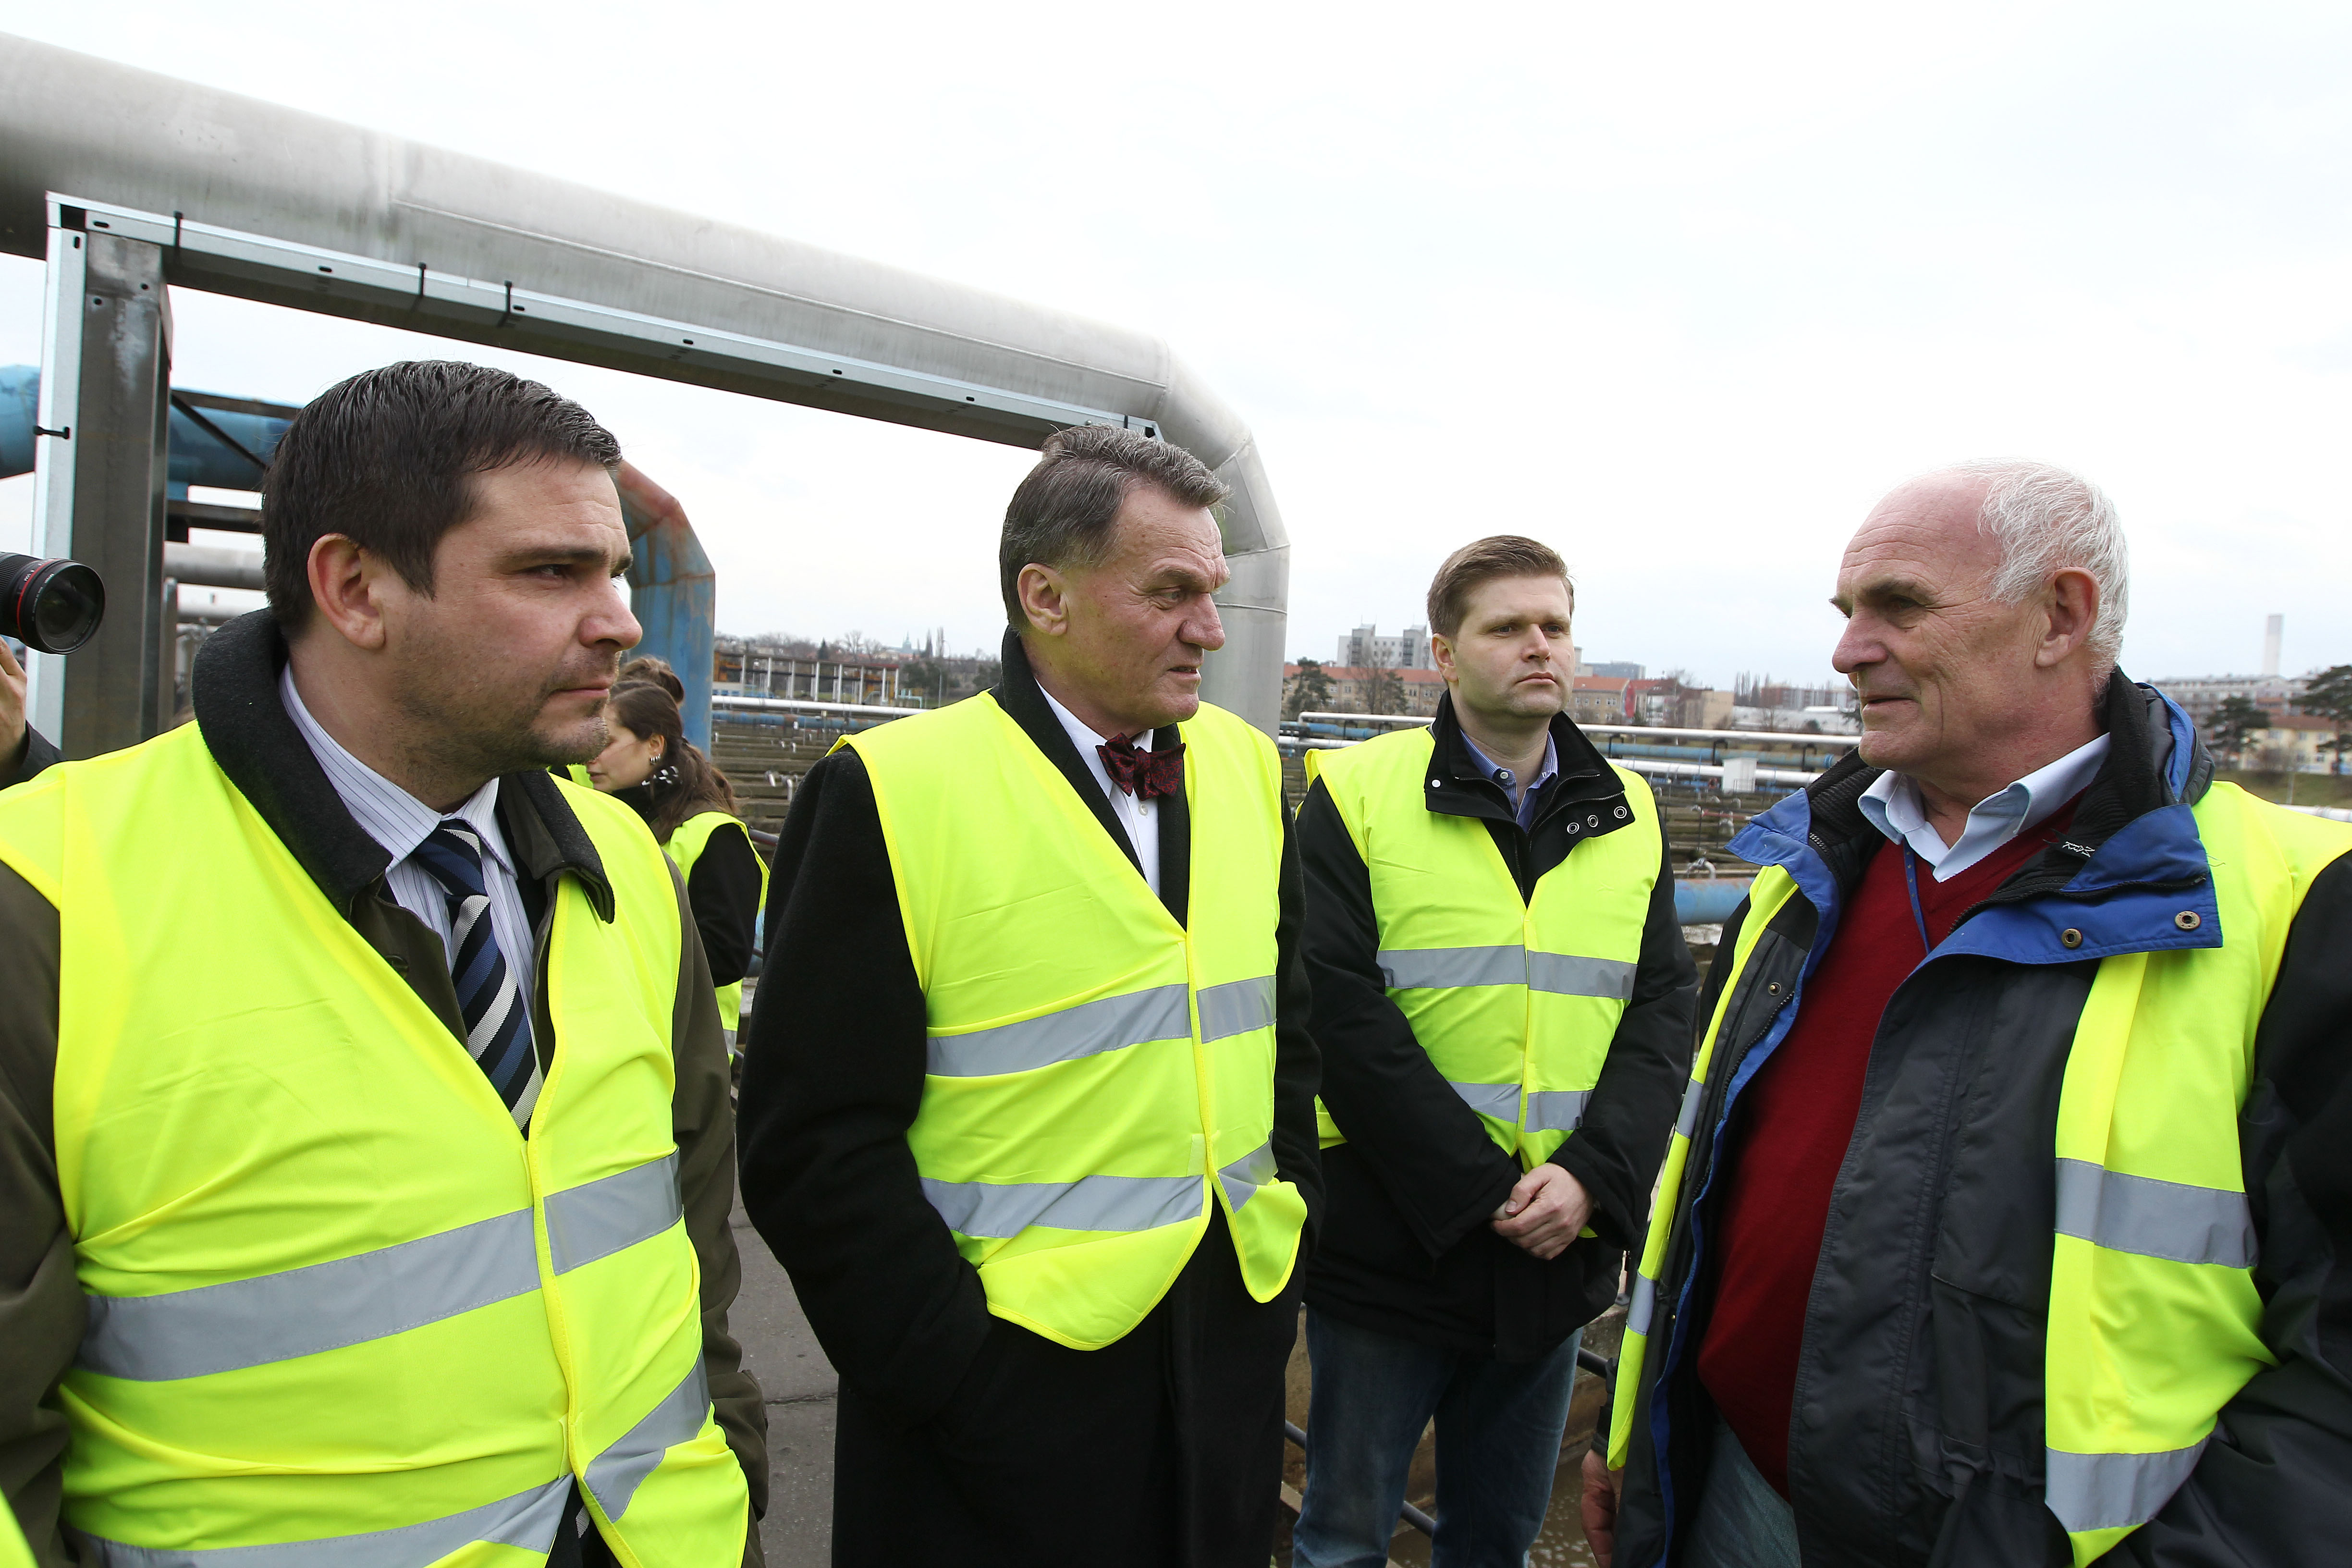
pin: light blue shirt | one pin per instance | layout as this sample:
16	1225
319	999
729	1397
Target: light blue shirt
1892	806
400	822
1523	804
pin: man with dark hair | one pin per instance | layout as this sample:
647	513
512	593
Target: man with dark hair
364	1144
1503	1000
1028	1102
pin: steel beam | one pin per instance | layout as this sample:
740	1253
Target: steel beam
100	466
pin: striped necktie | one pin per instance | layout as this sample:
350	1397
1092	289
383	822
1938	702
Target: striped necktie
497	1026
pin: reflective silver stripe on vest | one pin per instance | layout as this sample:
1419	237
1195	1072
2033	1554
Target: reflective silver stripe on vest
1090	1202
1499	1101
527	1520
1559	973
615	1474
1245	1175
1644	1302
2107	1491
1686	1123
1237	1007
1557	1109
1563	974
373	1295
1090	1028
320	1307
599	1218
1446	968
2155	1220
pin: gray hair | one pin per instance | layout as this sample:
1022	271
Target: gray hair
2047	520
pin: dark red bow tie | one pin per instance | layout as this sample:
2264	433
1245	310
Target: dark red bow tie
1142	774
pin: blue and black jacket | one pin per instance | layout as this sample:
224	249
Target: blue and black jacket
1917	1432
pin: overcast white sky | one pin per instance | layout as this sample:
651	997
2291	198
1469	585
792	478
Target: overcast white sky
1679	291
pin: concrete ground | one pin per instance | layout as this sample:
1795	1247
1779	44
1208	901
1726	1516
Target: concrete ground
800	1385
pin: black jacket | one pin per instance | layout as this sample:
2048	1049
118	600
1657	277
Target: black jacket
1406	1248
33	753
1917	1431
834	1073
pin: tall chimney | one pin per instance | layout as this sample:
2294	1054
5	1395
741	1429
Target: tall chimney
2273	630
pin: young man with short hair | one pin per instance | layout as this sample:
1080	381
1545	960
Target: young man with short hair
1502	996
366	1157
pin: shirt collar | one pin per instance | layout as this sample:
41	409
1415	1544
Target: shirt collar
386	812
1892	805
1488	768
1082	734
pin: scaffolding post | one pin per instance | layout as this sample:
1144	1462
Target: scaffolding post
101	462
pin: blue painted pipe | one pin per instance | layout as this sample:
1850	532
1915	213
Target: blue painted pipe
1708	902
673	592
198	457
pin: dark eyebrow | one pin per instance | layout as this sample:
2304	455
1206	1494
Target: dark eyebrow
1176	574
563	555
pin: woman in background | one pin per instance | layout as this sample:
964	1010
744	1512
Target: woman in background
690	807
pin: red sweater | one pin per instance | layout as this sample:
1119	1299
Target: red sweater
1797	1116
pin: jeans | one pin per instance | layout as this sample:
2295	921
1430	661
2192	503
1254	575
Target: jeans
1742	1522
1499	1431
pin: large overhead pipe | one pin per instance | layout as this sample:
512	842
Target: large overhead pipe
257	200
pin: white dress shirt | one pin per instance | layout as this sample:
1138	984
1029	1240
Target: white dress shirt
400	822
1893	808
1139	817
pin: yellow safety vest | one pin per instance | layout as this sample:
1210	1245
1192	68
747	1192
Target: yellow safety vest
1098	1074
340	1305
2154	1318
1514	1001
686	847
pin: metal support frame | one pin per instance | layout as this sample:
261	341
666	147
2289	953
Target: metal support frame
101	457
418	299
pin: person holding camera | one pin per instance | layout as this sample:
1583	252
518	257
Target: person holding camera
365	1149
23	751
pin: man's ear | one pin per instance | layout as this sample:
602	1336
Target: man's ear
1441	650
2072	603
1045	599
346	587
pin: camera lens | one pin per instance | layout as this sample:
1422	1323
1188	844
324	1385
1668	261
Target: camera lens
50	606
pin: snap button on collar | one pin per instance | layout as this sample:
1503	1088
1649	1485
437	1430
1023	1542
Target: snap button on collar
2187	919
2070	937
1621	814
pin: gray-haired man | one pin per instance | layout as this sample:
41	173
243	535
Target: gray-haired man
2005	1216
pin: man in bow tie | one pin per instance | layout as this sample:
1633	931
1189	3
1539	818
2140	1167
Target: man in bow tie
1028	1100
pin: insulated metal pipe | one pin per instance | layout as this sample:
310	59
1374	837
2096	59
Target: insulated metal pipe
429	240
